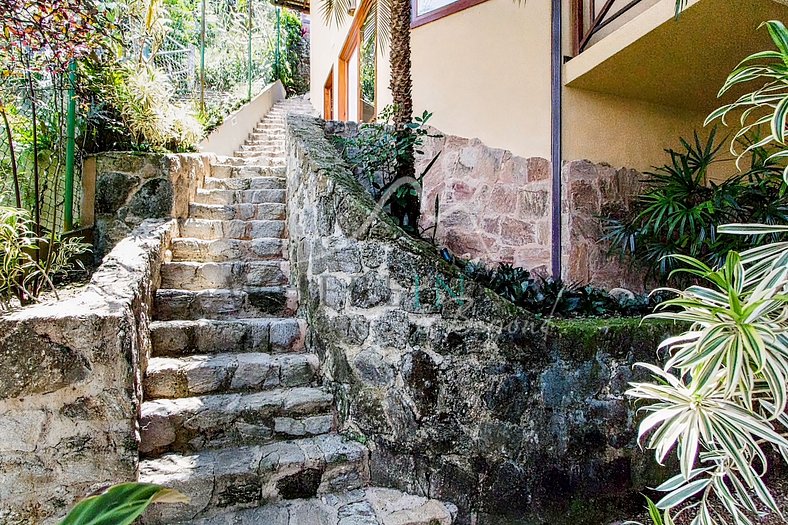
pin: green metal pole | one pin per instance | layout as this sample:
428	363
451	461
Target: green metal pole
202	60
249	89
68	215
278	33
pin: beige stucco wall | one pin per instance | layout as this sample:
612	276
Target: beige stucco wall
623	132
484	72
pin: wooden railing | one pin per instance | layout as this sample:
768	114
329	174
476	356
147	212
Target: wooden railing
589	19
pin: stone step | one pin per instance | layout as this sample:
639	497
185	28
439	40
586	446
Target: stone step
273	159
267	126
189	275
369	506
268	335
227	250
271	149
272	136
229	171
247	183
247	477
192	424
240	196
210	229
278	168
179	377
245	212
276	301
266	141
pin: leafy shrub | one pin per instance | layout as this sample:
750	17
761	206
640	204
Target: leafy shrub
24	273
143	98
681	208
294	55
377	153
720	398
550	297
121	504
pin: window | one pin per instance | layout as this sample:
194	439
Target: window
425	11
358	72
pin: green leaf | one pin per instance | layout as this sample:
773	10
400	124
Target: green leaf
121	504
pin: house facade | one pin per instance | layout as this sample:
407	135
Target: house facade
549	109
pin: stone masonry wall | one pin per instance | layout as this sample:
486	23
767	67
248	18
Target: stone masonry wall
459	395
70	376
494	206
132	187
592	191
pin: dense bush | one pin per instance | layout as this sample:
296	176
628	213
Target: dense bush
550	297
681	207
377	153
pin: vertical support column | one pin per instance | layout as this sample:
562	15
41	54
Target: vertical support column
202	59
71	123
249	45
278	45
556	159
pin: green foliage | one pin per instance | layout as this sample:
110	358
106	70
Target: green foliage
681	207
550	297
24	272
294	55
121	504
766	106
142	96
721	396
378	151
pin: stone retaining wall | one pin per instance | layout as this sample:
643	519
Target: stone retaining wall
496	207
70	384
460	395
131	187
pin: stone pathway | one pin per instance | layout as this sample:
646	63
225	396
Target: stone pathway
234	415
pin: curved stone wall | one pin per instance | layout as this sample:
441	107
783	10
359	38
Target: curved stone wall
460	395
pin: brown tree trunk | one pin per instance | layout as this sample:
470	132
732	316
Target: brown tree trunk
406	208
401	82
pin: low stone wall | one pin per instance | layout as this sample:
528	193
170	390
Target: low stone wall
494	206
460	395
131	187
70	384
592	191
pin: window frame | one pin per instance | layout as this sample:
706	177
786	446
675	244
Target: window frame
454	7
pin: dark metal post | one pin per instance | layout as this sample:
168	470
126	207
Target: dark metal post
556	143
278	44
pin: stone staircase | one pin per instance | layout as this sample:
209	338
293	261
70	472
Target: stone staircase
234	415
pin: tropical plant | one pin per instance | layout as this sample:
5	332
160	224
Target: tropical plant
720	397
144	100
24	271
294	55
549	297
766	106
121	504
679	209
377	153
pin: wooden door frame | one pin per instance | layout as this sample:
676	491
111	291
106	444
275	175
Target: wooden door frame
353	42
328	96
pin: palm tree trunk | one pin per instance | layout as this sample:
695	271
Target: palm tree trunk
401	82
406	209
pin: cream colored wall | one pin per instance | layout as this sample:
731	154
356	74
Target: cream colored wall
485	72
326	41
622	132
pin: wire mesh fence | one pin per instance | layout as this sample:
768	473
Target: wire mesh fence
34	151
